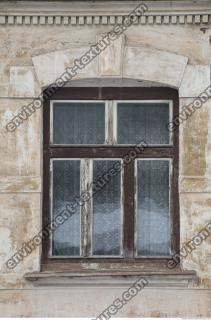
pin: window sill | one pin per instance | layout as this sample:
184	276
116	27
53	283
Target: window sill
177	278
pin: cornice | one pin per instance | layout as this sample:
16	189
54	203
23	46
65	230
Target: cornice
103	12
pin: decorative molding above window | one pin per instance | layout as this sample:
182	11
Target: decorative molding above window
103	13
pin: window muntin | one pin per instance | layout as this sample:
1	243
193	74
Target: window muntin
153	183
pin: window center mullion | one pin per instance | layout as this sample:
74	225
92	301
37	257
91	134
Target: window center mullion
86	207
109	122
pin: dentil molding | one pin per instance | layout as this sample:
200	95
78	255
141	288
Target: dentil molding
103	12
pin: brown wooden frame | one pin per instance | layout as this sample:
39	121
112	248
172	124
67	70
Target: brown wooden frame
111	93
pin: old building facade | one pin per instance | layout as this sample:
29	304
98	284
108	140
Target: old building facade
167	47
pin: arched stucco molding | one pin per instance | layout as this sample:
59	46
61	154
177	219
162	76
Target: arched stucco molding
137	63
48	67
154	65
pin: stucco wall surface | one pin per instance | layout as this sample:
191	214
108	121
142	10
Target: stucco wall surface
31	57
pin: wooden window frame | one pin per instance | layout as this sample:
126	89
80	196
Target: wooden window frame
128	263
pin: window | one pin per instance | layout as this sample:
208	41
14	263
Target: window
110	159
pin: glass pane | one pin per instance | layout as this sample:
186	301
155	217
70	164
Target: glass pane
66	187
153	234
78	123
142	122
106	228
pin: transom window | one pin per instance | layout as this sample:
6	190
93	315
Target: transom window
108	155
110	122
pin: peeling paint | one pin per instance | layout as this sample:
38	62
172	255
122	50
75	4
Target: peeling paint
37	55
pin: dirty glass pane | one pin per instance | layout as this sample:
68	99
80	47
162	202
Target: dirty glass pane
106	228
142	121
153	234
66	187
78	123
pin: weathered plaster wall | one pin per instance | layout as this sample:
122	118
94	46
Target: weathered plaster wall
31	57
87	302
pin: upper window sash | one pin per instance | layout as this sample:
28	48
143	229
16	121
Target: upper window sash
110	125
147	124
73	123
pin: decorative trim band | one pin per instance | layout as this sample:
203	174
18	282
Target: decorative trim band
103	12
197	19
